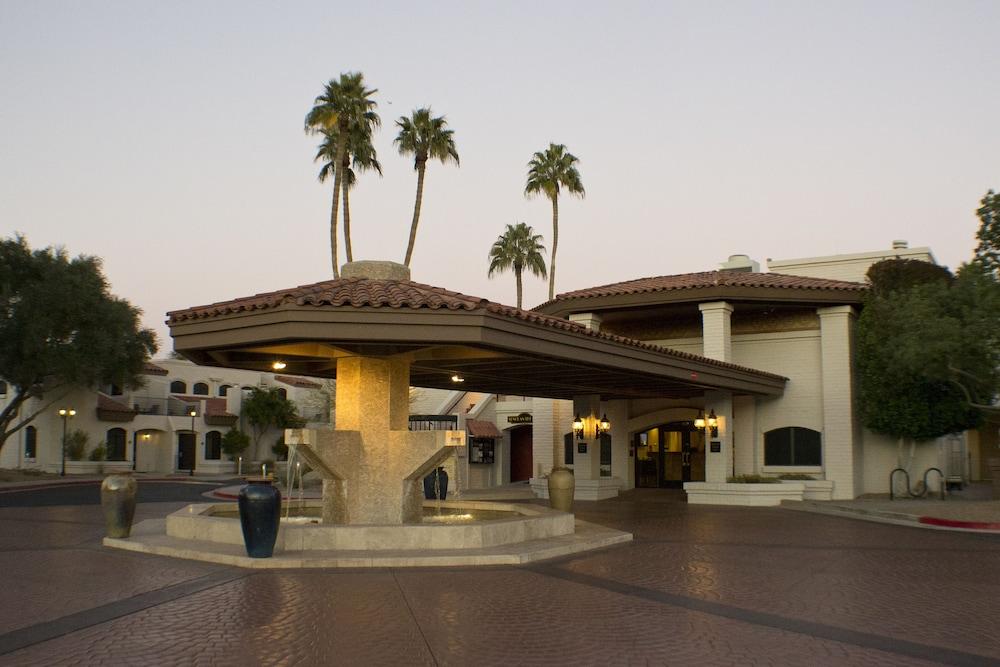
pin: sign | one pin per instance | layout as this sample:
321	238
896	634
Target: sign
581	448
716	446
523	418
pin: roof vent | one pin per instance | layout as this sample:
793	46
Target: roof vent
900	244
740	263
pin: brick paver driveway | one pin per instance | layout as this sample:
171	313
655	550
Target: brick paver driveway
699	585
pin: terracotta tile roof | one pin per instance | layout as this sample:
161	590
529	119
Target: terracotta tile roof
152	369
482	429
297	382
216	407
372	293
685	281
108	404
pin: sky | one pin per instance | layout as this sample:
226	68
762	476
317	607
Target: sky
167	137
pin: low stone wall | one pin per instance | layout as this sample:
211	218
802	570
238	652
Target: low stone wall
744	495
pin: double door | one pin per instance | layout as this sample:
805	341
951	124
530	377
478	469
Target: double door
669	455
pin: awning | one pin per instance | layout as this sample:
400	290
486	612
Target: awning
482	429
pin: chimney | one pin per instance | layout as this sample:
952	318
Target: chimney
741	263
900	244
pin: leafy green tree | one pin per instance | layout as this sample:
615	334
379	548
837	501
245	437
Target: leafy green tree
424	137
267	408
344	103
234	442
928	350
988	250
549	172
61	328
517	249
361	152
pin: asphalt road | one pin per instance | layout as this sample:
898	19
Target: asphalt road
89	493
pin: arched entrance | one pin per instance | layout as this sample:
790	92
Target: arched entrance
668	455
520	453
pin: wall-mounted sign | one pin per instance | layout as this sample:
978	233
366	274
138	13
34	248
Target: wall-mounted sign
523	418
581	448
716	446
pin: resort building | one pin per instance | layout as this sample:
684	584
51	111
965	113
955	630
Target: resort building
152	428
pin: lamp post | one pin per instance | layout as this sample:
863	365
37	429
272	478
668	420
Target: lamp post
194	454
65	413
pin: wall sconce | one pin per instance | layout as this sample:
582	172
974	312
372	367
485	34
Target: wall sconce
457	378
710	423
278	365
602	426
578	427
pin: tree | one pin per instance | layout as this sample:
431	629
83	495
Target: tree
518	248
61	328
424	137
267	408
548	173
234	442
928	350
988	250
343	103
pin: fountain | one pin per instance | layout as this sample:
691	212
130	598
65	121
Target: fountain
372	465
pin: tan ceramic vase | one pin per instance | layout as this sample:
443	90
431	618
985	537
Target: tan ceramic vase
562	485
118	501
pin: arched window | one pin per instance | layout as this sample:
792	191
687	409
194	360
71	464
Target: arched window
569	442
213	446
224	390
283	393
115	441
200	389
178	387
30	442
793	446
605	455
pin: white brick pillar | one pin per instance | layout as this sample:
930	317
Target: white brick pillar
719	465
841	448
716	340
590	320
587	465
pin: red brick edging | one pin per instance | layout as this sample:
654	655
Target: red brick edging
955	523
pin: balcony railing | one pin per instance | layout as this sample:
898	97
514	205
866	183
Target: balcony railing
433	422
171	407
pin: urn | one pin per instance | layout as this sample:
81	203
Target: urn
118	502
260	511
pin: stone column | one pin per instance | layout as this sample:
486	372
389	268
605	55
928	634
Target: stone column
717	343
716	339
590	320
842	454
587	466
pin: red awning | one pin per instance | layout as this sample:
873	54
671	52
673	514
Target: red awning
482	429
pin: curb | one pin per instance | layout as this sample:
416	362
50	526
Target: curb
897	518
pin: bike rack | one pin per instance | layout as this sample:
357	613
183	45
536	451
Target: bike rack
909	490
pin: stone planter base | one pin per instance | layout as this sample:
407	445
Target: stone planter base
744	495
586	489
816	489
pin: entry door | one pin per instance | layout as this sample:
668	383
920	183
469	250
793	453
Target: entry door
520	453
185	451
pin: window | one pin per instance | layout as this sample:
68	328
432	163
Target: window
30	442
3	388
283	393
200	388
178	387
213	446
605	455
793	446
115	441
568	441
224	390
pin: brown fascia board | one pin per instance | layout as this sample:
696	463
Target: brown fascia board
443	327
805	296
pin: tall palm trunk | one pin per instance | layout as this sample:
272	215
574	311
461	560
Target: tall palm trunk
520	289
347	221
337	184
555	245
421	168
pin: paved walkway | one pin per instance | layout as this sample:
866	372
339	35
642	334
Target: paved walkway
699	585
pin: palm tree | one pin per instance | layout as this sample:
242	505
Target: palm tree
361	152
518	248
424	137
344	102
548	172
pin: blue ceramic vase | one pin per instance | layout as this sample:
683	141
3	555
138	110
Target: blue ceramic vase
260	510
442	485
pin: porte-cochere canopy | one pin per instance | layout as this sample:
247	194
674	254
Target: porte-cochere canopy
446	336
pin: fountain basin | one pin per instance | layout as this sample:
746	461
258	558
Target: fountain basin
201	522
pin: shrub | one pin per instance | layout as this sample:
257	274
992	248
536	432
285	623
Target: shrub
76	444
796	476
753	479
234	442
100	453
280	449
